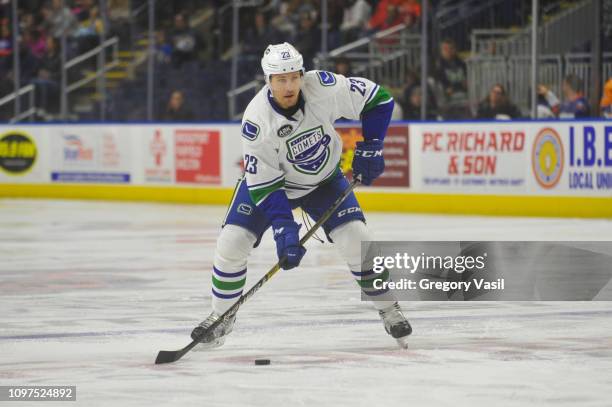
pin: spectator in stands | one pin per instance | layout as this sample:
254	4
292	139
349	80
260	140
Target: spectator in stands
176	110
34	40
90	29
450	69
497	105
26	21
51	61
59	20
411	7
412	105
6	41
28	62
185	41
305	6
163	49
544	111
283	21
119	19
308	39
259	36
343	66
411	80
81	9
574	105
451	73
548	103
411	22
387	15
355	19
606	100
48	78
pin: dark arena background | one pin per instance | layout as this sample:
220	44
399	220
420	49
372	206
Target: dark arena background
121	144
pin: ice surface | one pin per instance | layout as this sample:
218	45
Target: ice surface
91	291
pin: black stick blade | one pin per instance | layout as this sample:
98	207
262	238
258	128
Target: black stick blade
168	356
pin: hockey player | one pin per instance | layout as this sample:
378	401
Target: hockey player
291	159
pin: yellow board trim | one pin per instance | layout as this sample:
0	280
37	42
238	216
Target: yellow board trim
494	205
212	196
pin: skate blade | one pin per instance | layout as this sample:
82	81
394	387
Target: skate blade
402	342
204	346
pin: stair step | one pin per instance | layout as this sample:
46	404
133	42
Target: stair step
110	84
83	106
130	54
96	96
126	54
116	75
144	42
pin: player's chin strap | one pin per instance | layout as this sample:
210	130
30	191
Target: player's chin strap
168	356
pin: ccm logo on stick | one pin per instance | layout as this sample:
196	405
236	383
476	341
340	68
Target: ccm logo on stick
348	210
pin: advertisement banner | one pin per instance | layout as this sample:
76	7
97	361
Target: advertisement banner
90	154
471	157
21	155
197	156
158	155
537	158
396	152
572	158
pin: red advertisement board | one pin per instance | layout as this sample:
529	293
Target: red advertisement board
197	156
396	153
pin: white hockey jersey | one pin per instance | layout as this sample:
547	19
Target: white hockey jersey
300	152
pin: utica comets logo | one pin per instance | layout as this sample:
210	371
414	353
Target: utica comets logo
308	151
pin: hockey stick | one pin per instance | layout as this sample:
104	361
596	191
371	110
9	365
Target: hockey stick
169	356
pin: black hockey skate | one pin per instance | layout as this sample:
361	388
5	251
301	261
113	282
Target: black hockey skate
396	324
215	338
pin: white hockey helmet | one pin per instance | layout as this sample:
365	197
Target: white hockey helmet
281	58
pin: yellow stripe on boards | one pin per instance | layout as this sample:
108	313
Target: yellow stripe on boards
500	205
496	205
212	196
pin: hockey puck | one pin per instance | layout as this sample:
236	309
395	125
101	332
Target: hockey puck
262	362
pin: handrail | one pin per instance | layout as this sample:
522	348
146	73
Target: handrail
12	96
231	95
366	40
253	84
76	60
28	113
136	12
82	82
112	42
20	92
